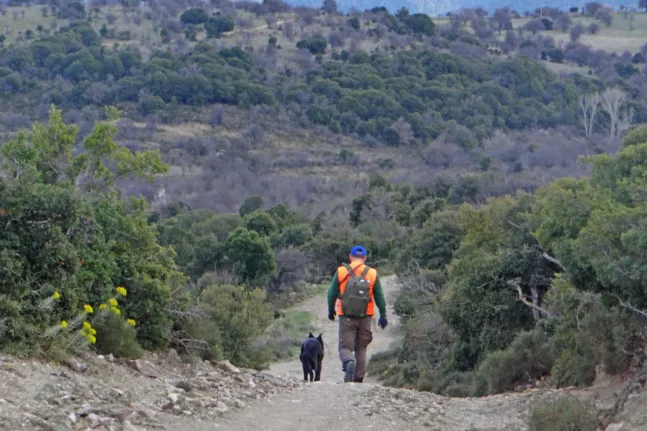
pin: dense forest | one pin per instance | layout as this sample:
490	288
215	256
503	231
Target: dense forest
174	173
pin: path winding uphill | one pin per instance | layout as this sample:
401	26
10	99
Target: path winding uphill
333	405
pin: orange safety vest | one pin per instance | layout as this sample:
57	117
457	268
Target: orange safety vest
343	276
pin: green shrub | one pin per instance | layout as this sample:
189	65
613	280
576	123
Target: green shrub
116	336
194	16
563	413
454	384
219	24
635	137
241	316
528	357
574	367
585	334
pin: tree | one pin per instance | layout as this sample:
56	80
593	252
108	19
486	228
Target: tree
592	8
315	45
605	16
589	106
218	24
237	315
80	245
251	204
421	24
576	32
251	256
329	6
642	4
534	26
612	100
262	222
35	152
563	22
503	19
195	16
355	24
555	55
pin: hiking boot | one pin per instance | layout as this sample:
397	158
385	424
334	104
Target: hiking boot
349	371
358	380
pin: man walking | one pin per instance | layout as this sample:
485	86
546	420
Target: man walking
354	291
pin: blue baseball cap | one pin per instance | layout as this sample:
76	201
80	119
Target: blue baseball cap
358	251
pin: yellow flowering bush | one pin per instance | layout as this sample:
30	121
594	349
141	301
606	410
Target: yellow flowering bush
115	335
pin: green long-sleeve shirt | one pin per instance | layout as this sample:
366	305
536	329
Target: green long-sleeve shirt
378	294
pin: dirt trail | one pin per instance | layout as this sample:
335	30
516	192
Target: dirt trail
163	391
317	306
331	404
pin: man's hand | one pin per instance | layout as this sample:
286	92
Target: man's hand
382	322
331	315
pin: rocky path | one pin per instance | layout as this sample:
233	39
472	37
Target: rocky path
331	404
163	392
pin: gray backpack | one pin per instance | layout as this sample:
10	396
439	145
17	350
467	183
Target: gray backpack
356	296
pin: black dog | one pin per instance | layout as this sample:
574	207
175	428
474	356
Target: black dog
312	354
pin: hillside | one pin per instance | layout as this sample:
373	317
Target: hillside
435	123
180	175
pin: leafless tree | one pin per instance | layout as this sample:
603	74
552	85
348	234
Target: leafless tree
576	32
291	265
589	104
612	100
502	19
414	278
563	22
336	39
289	31
404	129
271	20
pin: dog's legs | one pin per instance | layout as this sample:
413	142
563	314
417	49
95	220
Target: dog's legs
318	370
305	374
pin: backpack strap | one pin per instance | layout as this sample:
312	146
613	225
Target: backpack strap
366	270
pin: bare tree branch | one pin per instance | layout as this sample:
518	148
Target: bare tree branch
631	307
552	260
537	310
414	278
589	105
612	100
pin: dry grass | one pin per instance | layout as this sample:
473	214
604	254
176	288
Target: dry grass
618	37
624	34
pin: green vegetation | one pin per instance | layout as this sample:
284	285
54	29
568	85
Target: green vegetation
60	241
560	414
542	284
448	147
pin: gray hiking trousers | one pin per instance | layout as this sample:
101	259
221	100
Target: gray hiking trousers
354	337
